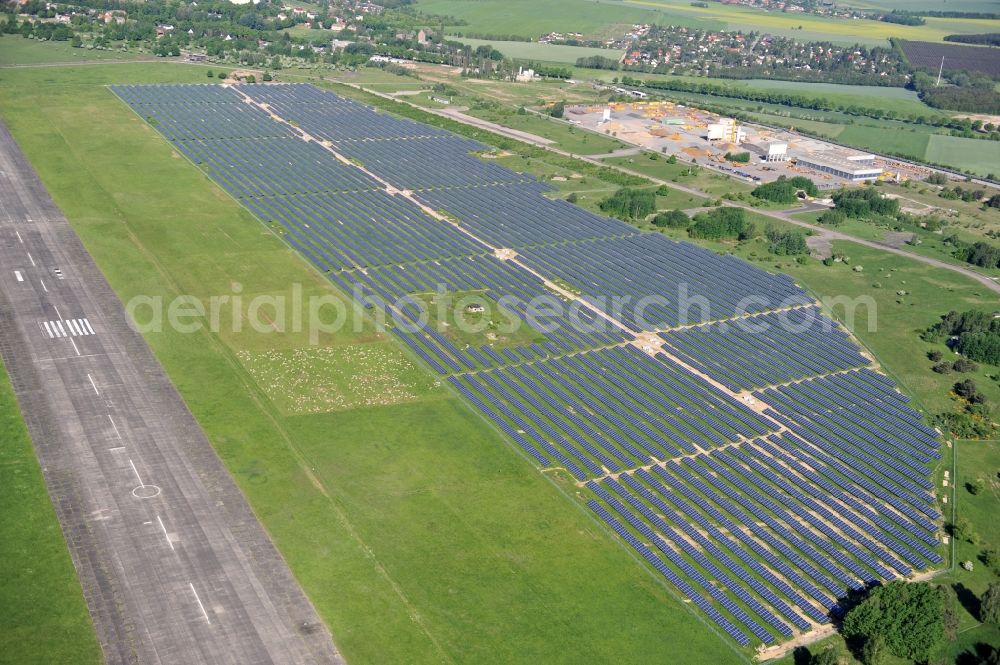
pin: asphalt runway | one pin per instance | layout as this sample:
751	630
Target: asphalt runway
174	565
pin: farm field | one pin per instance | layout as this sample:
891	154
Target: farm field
45	618
524	18
385	477
897	99
982	157
597	19
542	52
956	57
927	5
901	141
820	28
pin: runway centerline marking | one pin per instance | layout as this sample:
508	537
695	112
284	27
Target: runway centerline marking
44	288
200	606
117	433
136	472
94	386
75	347
31	259
169	542
19	238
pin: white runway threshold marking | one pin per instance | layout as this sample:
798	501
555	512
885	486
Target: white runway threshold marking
73	328
200	606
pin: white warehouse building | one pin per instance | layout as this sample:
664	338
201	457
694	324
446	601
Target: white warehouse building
857	169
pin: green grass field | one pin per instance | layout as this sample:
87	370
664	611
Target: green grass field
418	533
982	157
705	180
16	50
542	52
44	618
564	136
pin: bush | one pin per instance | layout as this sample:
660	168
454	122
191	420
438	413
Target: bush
787	243
630	204
663	190
222	75
962	530
964	365
739	157
864	203
934	356
969	391
557	109
674	219
785	190
942	368
832	217
210	74
572	198
991	559
722	223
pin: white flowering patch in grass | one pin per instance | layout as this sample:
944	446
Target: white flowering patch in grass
337	378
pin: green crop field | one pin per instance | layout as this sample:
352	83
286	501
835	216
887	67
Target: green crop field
982	157
814	27
913	143
543	52
868	96
596	19
44	618
929	5
526	18
417	531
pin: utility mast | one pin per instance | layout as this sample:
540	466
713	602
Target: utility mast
940	70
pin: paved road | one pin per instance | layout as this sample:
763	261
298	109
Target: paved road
174	565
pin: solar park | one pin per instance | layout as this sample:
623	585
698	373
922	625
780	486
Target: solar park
744	447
